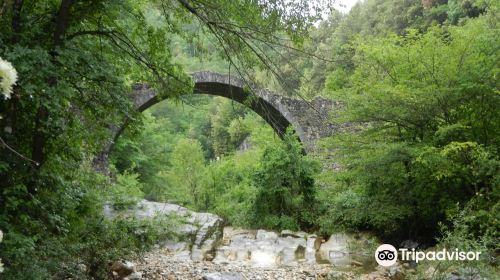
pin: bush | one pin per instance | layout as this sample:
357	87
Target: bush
403	192
126	191
473	226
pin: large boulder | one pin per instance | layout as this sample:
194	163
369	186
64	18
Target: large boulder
299	234
134	276
336	250
200	232
207	237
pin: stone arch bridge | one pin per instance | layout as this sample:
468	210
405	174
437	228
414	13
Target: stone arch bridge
309	119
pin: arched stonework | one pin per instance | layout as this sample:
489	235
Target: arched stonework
271	107
309	119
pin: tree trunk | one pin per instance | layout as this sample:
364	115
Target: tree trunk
42	115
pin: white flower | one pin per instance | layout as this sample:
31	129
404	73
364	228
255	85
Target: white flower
8	77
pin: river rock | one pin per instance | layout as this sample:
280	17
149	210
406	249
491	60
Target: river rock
208	236
265	248
264	235
396	272
1	264
120	270
409	244
287	233
176	246
340	275
134	276
310	252
336	250
465	273
223	276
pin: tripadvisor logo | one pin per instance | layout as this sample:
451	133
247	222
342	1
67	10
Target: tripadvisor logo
387	255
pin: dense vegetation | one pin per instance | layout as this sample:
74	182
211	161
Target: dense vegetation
76	62
418	81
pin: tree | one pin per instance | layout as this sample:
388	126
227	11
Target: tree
426	105
146	151
188	175
221	123
286	191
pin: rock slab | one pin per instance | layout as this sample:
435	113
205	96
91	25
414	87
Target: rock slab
201	232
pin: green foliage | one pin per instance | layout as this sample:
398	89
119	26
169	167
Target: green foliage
238	130
145	152
336	80
286	191
77	62
426	105
472	226
176	159
232	192
186	178
126	192
459	9
223	131
59	230
327	58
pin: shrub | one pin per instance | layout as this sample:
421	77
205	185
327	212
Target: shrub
126	192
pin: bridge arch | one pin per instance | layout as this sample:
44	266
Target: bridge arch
270	106
307	118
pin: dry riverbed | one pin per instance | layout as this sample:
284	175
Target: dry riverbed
210	251
162	264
